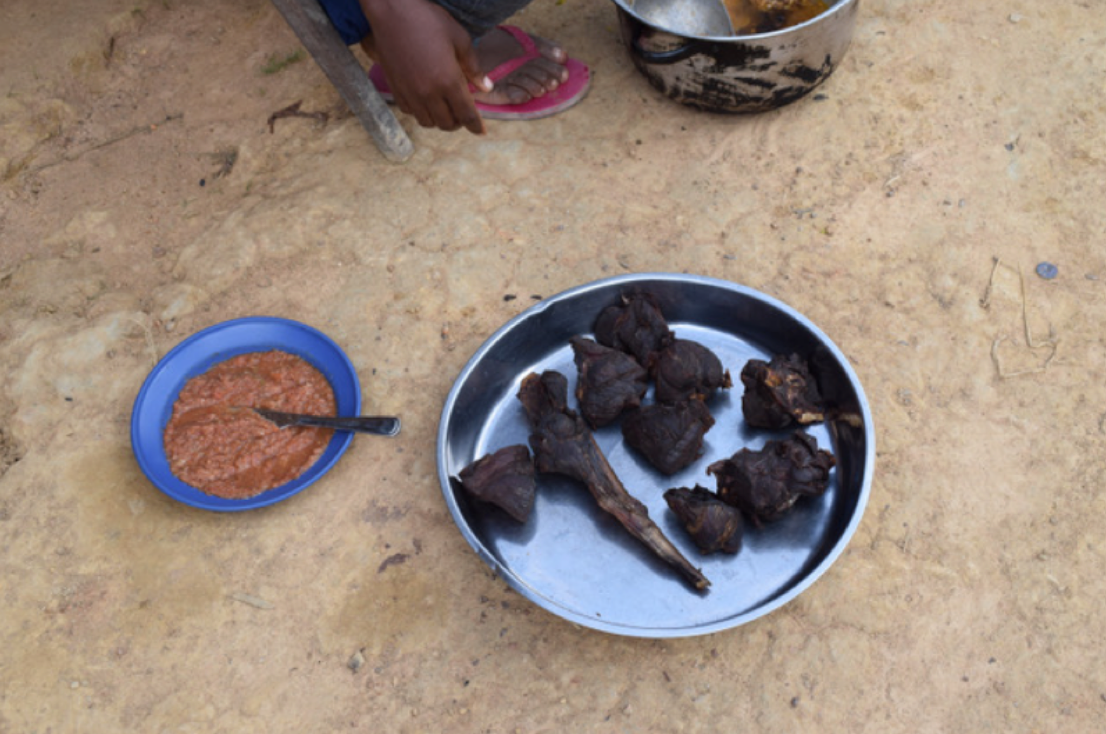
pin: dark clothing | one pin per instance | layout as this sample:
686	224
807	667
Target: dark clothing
476	16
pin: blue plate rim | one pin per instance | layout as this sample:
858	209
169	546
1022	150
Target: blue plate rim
141	416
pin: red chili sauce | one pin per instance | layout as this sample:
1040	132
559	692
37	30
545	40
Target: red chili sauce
215	443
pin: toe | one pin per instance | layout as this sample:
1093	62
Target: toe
534	79
549	72
550	50
523	87
516	94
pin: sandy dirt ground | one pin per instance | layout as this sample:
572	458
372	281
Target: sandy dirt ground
144	197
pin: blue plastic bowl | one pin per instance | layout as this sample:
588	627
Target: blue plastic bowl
195	355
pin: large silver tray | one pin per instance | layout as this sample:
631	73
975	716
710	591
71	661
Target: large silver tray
577	562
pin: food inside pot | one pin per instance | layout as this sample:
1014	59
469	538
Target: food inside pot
765	16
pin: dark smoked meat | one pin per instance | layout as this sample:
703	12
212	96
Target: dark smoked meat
670	437
635	326
711	523
563	444
765	484
780	392
686	369
505	479
609	381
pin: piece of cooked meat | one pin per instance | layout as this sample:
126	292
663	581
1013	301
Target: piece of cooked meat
687	369
609	381
563	444
780	392
670	437
765	484
635	326
712	524
505	479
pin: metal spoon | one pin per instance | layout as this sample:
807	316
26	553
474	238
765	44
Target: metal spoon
707	18
379	425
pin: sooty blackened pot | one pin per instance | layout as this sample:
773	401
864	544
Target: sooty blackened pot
752	73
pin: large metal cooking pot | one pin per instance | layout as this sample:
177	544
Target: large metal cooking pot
752	73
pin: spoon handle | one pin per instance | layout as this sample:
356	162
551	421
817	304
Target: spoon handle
375	424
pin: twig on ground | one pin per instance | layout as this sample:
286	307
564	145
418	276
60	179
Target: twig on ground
1051	343
293	110
254	601
68	157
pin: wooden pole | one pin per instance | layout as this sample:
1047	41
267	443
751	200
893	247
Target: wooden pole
315	31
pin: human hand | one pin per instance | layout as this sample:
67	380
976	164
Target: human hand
429	61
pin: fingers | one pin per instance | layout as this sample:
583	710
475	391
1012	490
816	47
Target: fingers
463	106
444	113
469	117
428	113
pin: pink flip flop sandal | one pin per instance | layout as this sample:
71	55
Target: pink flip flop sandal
551	103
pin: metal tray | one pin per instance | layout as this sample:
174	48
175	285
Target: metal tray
576	561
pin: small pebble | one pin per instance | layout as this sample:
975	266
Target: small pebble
1047	270
203	182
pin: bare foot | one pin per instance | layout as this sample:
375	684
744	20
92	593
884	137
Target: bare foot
534	78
